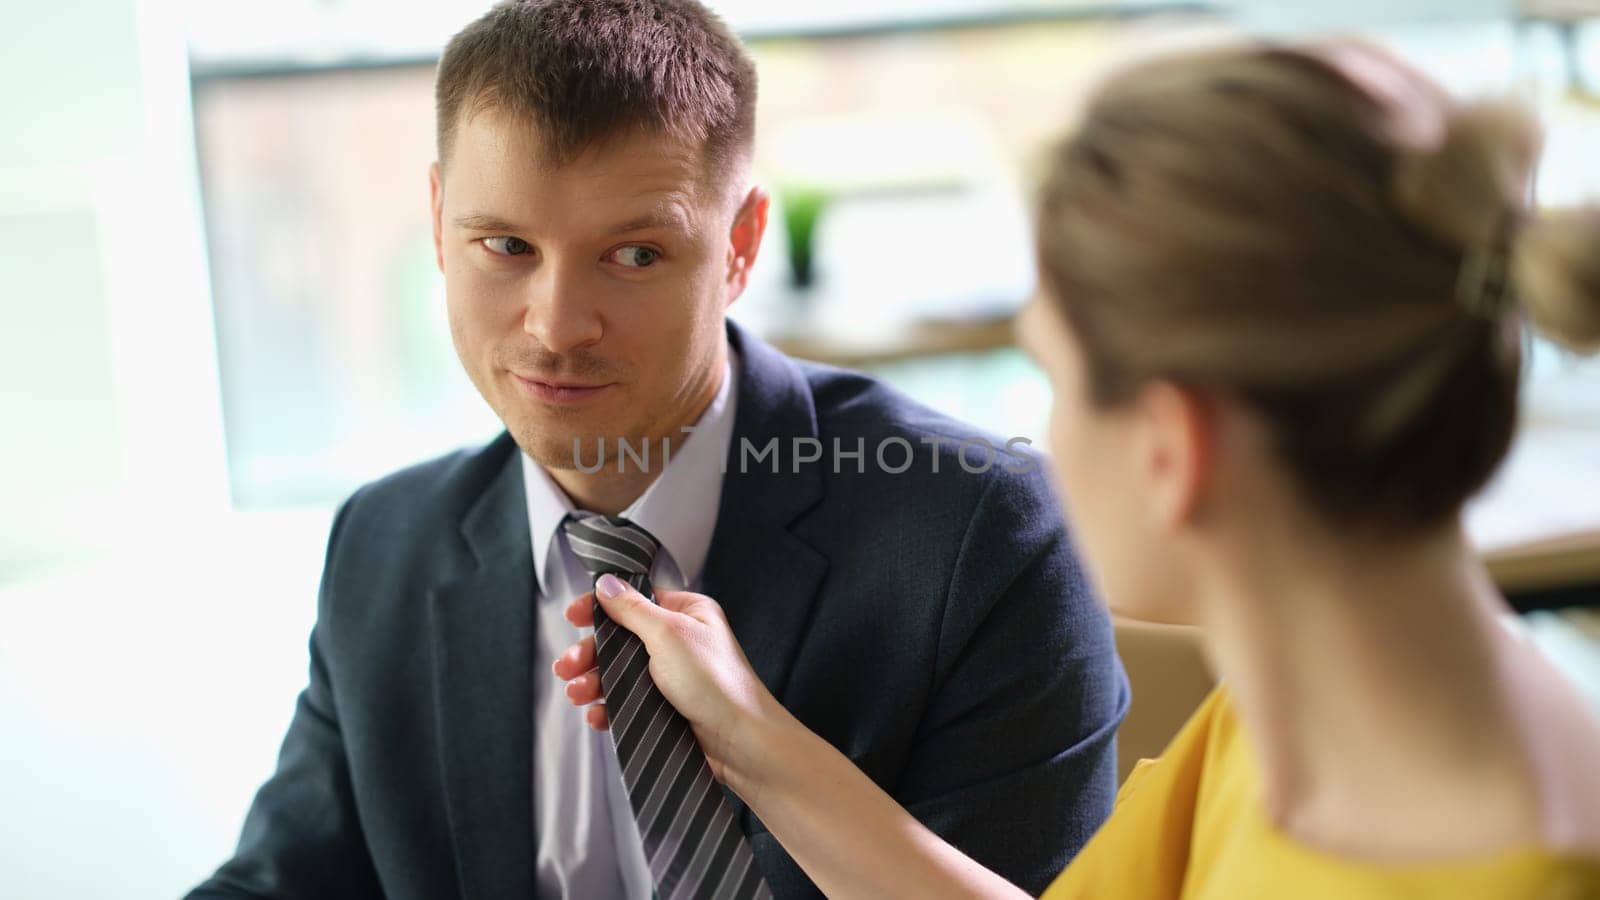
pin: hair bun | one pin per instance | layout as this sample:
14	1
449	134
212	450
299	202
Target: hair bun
1470	190
1555	265
1460	189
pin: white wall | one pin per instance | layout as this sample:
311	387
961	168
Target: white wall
126	628
108	387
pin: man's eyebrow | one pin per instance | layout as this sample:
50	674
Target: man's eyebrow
667	217
483	222
664	217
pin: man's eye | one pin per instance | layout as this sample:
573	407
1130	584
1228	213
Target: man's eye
507	246
635	256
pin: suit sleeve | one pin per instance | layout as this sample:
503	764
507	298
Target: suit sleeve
301	836
1015	758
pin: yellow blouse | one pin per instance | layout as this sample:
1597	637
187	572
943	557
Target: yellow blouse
1190	826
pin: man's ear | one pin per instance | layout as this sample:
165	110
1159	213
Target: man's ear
744	241
436	200
1179	444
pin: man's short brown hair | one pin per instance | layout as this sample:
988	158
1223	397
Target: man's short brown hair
582	71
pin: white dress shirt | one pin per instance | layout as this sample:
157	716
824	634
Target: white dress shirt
588	845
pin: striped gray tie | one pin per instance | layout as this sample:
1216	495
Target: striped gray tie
693	843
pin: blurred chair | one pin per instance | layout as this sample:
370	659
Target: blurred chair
1169	676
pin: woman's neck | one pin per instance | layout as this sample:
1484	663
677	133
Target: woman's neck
1368	678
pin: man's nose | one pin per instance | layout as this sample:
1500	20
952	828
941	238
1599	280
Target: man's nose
560	313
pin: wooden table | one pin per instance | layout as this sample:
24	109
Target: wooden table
917	340
1568	562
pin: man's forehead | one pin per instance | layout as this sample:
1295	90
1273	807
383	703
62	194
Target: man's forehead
496	140
650	179
643	211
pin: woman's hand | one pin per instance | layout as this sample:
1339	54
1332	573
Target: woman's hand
849	836
694	660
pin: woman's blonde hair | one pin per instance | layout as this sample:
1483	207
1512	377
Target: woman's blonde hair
1324	234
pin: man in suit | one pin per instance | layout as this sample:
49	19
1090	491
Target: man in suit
901	583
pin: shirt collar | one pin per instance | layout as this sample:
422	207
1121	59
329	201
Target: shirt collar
679	507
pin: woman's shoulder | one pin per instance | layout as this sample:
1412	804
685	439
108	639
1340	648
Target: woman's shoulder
1562	733
1279	861
1142	851
1561	730
1191	824
1237	850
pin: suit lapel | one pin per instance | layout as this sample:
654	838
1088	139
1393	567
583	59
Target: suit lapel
765	577
483	635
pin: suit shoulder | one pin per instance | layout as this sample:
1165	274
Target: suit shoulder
851	405
434	488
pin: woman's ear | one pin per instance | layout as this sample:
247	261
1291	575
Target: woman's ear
1177	446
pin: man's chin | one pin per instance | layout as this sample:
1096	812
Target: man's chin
553	441
561	451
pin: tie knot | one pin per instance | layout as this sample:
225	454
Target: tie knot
611	545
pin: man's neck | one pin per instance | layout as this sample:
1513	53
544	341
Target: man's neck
609	495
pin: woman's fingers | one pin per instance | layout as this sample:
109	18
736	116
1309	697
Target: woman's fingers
575	660
693	657
660	623
677	601
580	611
629	608
699	607
585	689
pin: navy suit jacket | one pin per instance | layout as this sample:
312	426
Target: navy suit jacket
934	626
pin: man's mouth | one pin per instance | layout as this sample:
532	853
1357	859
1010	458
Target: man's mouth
561	392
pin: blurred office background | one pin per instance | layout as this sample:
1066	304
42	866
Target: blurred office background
219	314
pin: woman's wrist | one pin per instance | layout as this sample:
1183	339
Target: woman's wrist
759	741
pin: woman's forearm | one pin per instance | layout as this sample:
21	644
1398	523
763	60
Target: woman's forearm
851	838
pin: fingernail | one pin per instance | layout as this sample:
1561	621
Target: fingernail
609	586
